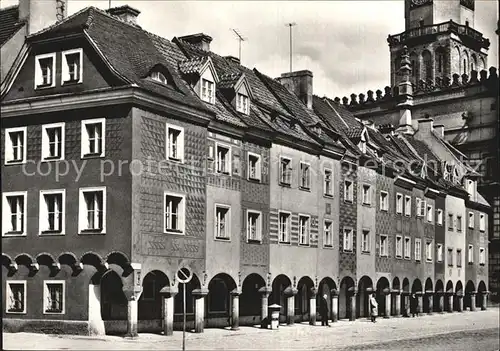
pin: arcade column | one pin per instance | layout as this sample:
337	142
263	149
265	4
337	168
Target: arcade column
264	319
168	294
419	296
312	306
352	304
429	295
441	301
406	303
396	300
290	305
199	309
132	290
387	297
449	296
235	309
484	300
460	304
334	294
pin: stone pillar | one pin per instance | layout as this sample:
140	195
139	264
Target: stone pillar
168	293
235	309
132	299
472	300
419	295
406	304
334	294
387	297
312	306
352	316
441	301
396	301
265	292
460	305
96	324
450	301
429	295
484	300
199	309
290	312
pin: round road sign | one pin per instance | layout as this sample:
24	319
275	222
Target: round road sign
184	275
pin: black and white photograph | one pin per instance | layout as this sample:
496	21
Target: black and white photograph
250	175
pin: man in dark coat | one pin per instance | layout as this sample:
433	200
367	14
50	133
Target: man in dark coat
414	305
323	310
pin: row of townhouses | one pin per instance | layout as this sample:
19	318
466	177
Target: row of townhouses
126	156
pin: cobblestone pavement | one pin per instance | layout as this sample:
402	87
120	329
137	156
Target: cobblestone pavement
456	331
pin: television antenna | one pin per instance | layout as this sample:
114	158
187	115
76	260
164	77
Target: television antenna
240	38
290	25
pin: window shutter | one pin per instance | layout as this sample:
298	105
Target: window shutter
43	221
167	143
180	145
181	214
85	140
9	151
6	213
65	69
82	212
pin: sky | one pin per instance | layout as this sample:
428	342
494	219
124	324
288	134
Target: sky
344	43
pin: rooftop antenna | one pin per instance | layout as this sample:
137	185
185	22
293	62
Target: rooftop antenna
290	25
240	39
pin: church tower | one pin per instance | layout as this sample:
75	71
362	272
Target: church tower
441	40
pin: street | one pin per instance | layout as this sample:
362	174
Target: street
457	331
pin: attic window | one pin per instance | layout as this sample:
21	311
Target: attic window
242	103
159	77
72	66
45	70
207	90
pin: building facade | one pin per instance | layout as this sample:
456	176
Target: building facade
127	156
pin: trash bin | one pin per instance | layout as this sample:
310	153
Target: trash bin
274	315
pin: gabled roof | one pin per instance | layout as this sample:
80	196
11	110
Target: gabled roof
128	50
9	23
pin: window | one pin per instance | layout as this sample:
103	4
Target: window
223	159
366	195
418	249
174	213
459	223
407	248
53	141
482	222
92	212
222	222
328	186
242	103
450	257
284	227
440	252
175	143
471	220
428	250
399	246
328	234
304	222
470	254
305	176
254	169
348	191
15	296
207	91
399	203
384	201
482	256
459	258
72	66
420	207
285	171
159	77
93	137
450	221
348	233
470	187
430	214
440	216
407	206
52	204
15	145
254	226
45	71
365	241
383	245
53	297
14	213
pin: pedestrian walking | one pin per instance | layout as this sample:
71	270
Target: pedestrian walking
373	308
414	305
323	310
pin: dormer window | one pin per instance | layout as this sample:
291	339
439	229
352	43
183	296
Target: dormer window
242	103
72	66
207	90
159	77
45	70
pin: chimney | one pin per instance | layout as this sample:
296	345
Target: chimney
425	126
200	40
42	14
125	13
439	129
301	84
232	59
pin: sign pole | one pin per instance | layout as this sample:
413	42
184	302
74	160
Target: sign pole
184	317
